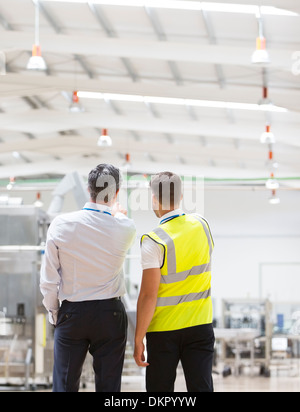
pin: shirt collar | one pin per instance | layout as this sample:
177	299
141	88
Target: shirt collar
173	213
97	206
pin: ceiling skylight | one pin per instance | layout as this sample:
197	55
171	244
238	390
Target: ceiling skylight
189	5
182	102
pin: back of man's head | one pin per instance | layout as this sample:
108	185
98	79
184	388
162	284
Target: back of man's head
104	183
167	189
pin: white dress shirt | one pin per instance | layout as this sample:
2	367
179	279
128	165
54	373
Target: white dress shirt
84	257
152	252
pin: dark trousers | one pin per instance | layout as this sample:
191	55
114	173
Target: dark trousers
99	327
194	347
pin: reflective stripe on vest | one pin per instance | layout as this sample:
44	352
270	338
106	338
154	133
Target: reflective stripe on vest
176	300
184	298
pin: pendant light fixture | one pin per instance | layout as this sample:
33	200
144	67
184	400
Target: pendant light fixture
75	106
36	61
268	137
38	202
274	199
11	184
127	164
261	55
105	140
272	183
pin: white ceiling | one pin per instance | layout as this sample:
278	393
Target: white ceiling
146	52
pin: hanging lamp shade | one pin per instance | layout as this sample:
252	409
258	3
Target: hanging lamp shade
36	61
75	106
105	140
268	137
38	202
127	164
261	55
11	184
274	199
272	183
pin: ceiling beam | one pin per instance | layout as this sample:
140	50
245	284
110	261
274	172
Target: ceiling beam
111	33
147	49
84	164
71	145
43	121
29	84
213	40
161	35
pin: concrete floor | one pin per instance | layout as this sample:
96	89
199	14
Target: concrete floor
230	384
233	384
246	384
280	381
287	380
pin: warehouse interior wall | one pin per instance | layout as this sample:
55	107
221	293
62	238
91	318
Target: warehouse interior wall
252	239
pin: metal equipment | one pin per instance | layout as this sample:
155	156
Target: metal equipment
71	182
246	339
23	330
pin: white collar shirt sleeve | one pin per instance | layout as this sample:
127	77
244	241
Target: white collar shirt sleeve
152	253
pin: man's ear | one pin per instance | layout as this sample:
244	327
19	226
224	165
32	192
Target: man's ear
155	202
116	196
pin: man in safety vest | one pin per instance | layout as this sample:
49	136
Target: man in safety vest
175	307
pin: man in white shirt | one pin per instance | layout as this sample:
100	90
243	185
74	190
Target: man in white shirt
83	269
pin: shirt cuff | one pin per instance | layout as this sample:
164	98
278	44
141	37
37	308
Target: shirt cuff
153	265
53	315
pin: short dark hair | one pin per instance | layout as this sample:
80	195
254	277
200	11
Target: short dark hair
104	183
167	188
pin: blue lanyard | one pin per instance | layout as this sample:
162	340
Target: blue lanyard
171	218
98	211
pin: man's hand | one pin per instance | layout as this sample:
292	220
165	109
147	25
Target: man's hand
139	355
118	208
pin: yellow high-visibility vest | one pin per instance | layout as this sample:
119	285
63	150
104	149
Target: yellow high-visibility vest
184	296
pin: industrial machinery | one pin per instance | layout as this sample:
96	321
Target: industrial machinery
246	339
26	337
23	327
